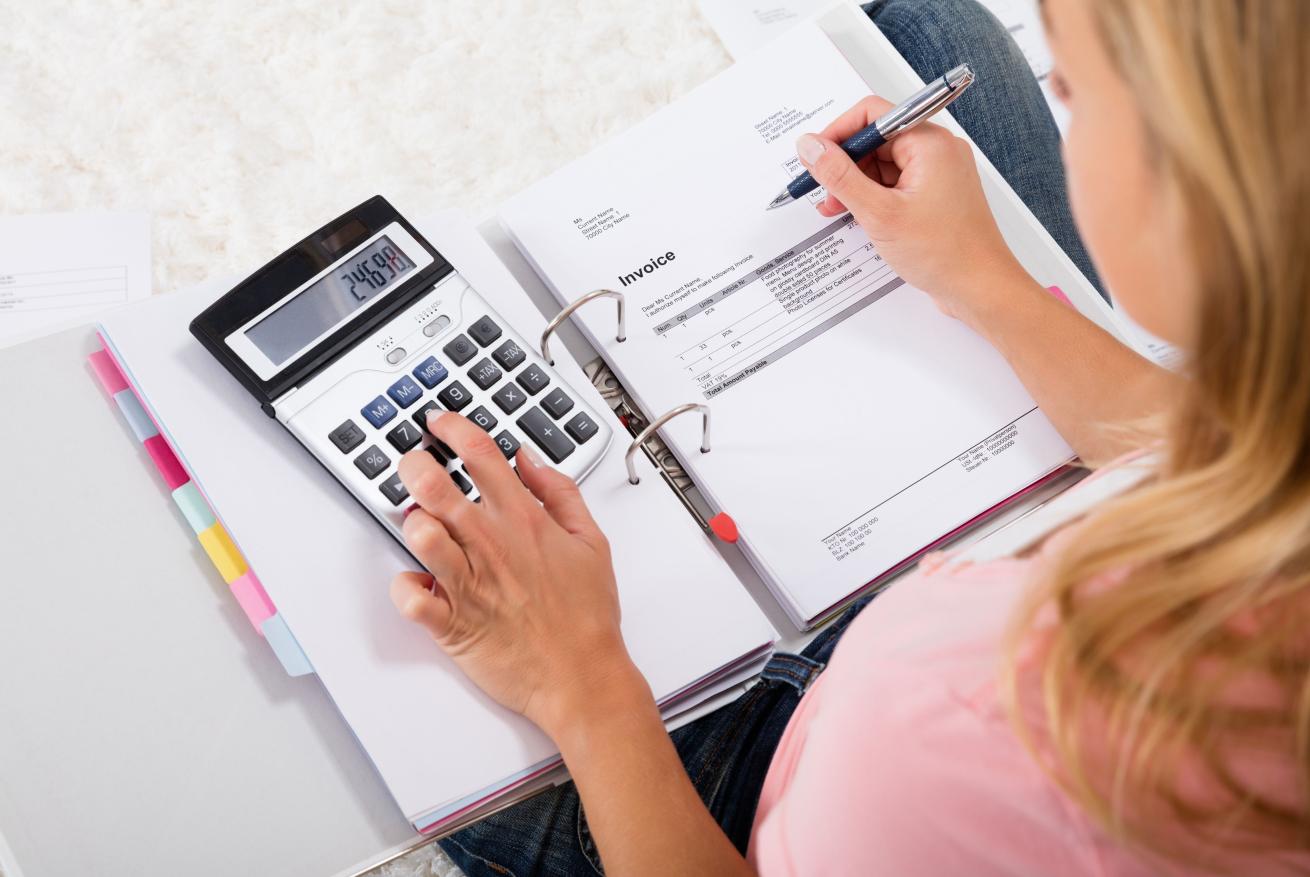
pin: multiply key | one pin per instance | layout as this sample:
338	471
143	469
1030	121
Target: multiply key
546	434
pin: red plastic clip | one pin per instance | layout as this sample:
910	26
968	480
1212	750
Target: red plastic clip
724	527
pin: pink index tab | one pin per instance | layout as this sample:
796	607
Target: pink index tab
107	372
253	600
1059	293
166	462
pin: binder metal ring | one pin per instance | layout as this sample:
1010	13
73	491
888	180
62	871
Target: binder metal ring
650	430
573	306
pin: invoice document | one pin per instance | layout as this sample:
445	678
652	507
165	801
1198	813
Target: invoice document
853	423
61	269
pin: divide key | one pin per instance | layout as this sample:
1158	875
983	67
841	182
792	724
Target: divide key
545	433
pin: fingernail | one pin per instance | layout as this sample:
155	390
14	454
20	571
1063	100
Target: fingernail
532	457
433	416
809	148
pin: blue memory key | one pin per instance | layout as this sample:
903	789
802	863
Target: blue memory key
431	372
379	411
404	392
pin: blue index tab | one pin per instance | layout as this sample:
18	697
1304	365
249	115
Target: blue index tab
431	372
194	508
142	426
379	411
404	392
286	648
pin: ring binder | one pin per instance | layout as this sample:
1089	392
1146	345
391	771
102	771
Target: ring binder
655	424
573	306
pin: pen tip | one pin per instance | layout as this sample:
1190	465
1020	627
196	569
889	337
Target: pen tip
784	198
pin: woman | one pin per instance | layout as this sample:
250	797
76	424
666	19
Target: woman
1129	693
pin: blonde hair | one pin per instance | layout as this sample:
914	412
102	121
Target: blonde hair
1134	692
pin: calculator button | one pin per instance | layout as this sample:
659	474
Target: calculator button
372	461
347	436
460	349
484	331
549	437
404	392
405	436
556	403
379	411
393	490
509	355
430	372
484	374
439	455
455	397
509	398
421	415
533	379
483	418
581	427
465	486
508	444
396	355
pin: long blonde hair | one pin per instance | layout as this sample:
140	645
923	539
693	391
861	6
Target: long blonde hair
1134	693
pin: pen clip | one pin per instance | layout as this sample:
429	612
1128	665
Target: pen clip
936	96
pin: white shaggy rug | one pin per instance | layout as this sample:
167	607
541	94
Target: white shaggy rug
241	125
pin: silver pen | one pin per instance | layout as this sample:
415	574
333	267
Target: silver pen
936	95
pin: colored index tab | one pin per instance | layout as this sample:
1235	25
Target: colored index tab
166	462
194	508
286	648
223	552
107	372
253	600
142	426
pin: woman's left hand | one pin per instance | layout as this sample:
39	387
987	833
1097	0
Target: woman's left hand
521	593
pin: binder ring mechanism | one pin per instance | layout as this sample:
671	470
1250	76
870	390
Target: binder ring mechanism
573	306
650	430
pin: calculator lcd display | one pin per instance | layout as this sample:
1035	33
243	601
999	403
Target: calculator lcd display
322	305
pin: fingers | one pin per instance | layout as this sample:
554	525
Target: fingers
482	458
430	485
857	117
430	608
429	540
558	494
833	169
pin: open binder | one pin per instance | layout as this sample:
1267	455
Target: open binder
257	502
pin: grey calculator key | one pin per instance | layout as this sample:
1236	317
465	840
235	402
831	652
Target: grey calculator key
533	379
464	485
484	374
546	434
557	403
484	331
393	490
455	396
372	461
508	444
581	427
509	355
347	436
483	418
421	415
405	436
460	349
509	398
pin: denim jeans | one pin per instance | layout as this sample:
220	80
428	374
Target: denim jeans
727	753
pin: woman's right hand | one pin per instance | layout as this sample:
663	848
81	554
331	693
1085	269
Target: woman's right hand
920	200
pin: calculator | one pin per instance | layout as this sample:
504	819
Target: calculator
354	334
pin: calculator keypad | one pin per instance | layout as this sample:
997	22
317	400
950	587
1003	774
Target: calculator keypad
479	369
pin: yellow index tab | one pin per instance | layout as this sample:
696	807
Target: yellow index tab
223	552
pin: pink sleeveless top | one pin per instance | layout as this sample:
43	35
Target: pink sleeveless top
902	760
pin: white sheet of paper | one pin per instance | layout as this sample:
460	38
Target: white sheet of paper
854	424
745	25
61	269
433	736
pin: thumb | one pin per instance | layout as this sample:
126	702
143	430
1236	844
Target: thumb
829	164
419	598
557	492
